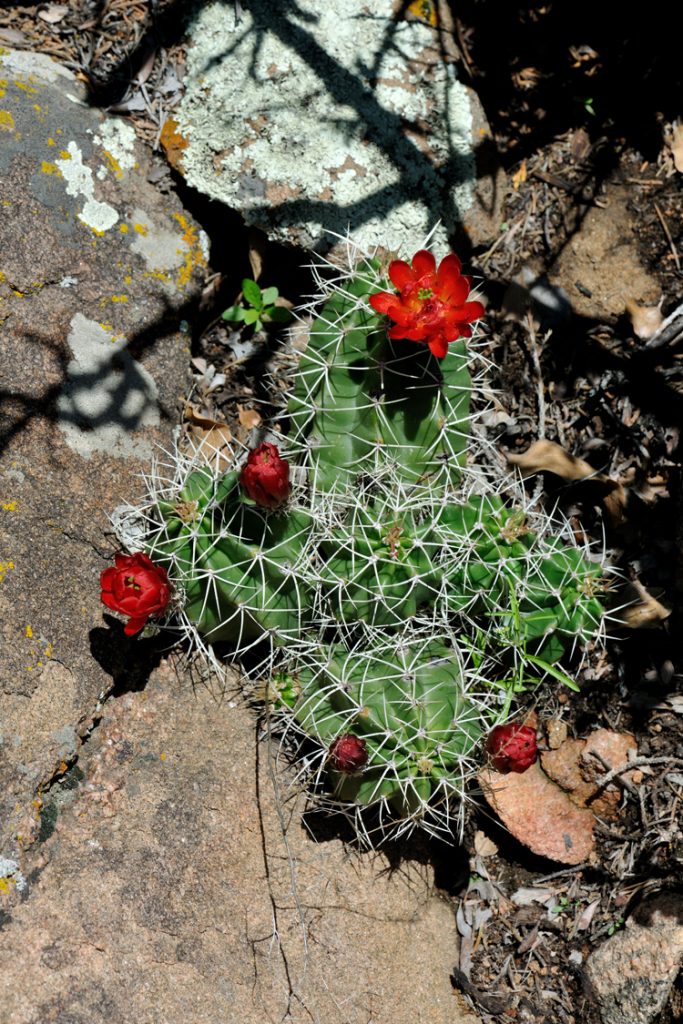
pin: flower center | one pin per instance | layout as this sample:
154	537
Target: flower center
130	582
424	293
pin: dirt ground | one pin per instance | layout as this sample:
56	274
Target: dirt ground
593	228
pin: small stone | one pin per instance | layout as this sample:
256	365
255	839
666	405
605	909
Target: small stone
540	814
631	975
556	731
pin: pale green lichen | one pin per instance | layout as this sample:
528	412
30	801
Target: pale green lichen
298	118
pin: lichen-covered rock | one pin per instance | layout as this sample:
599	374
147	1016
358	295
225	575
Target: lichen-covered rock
314	117
97	272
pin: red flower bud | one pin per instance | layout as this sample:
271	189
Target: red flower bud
512	748
136	587
348	753
265	476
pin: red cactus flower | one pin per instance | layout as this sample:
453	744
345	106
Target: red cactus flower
348	753
431	305
512	748
265	476
135	587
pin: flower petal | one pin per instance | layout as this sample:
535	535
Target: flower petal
134	626
423	263
455	290
449	270
438	345
401	274
472	311
381	302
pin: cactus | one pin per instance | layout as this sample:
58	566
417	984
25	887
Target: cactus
396	599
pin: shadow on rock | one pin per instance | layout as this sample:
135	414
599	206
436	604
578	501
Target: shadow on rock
128	660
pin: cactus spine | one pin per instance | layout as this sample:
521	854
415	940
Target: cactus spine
399	599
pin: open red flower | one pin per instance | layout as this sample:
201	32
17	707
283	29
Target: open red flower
431	304
512	748
265	476
135	587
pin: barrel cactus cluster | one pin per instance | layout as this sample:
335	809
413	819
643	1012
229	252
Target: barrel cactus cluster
377	580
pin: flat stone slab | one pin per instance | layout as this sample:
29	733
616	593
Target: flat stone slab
312	118
167	890
97	272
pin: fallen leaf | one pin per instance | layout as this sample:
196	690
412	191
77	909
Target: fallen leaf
549	457
484	846
257	250
676	145
587	916
212	439
248	418
53	13
646	320
526	897
146	69
643	611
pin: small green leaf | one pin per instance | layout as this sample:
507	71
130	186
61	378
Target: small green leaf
251	316
552	670
279	314
234	313
269	295
252	293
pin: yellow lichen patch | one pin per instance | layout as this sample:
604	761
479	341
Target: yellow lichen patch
5	884
29	633
114	165
128	279
193	257
48	650
10	506
95	231
30	90
51	142
123	229
119	298
6	121
4	569
158	275
49	168
141	229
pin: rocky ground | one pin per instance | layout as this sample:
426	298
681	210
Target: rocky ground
147	866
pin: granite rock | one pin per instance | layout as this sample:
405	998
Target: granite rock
98	271
311	118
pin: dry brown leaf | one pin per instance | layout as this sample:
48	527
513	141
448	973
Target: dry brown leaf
643	612
257	250
646	320
211	438
483	846
53	13
676	146
548	457
248	418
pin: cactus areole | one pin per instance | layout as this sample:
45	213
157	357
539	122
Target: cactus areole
401	593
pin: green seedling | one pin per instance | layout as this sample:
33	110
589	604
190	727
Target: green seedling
261	307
